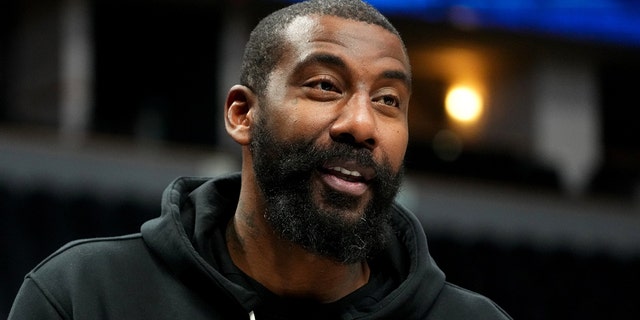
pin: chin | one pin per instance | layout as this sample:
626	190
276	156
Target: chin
350	209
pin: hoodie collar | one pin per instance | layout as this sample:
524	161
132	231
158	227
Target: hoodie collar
194	208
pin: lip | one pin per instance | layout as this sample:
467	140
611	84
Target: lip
366	173
347	177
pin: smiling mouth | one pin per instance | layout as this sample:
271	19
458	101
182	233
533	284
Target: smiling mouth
347	177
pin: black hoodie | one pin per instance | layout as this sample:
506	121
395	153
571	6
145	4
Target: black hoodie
178	268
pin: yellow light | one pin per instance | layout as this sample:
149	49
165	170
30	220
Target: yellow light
463	104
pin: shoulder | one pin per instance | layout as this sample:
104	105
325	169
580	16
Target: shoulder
91	251
459	303
82	271
83	262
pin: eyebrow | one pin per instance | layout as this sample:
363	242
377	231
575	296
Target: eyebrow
322	58
337	62
398	75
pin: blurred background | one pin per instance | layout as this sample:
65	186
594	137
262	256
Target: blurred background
523	164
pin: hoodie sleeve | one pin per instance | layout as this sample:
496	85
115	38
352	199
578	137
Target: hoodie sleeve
32	303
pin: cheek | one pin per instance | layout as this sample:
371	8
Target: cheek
402	146
396	145
304	122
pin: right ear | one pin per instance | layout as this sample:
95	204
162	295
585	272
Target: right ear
239	111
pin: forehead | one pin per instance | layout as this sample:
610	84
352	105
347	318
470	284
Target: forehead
365	41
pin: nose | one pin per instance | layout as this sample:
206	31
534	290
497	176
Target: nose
356	123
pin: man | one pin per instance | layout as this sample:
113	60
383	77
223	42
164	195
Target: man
309	230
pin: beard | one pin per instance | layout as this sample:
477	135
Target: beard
321	220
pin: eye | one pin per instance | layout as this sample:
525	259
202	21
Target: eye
323	88
388	100
323	85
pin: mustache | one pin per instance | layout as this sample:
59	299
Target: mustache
317	156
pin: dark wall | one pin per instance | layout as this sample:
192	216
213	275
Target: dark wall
156	70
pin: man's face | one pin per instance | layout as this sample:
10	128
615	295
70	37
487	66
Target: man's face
330	136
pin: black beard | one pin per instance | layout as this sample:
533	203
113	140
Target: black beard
284	171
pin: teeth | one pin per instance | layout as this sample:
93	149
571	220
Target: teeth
347	172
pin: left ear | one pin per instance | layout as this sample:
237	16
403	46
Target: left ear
239	110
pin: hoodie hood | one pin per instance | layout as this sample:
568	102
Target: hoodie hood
194	209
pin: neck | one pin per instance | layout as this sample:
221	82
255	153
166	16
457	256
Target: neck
287	269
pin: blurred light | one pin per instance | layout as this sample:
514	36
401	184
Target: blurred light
463	104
